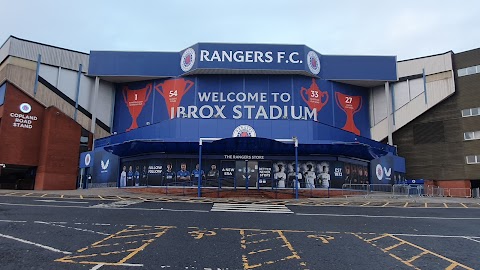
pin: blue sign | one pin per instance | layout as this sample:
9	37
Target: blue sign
243	98
218	58
381	170
105	167
86	159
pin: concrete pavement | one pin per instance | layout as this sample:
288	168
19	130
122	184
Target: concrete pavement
385	200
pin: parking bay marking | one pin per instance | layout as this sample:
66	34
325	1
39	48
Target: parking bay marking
151	233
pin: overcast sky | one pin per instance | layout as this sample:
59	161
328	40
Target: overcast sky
407	28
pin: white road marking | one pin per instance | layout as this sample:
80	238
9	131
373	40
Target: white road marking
95	224
434	235
251	208
123	208
35	244
61	226
470	238
6	220
54	201
116	204
406	217
97	266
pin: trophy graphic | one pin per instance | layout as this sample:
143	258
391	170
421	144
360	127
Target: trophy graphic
135	100
173	91
350	105
315	95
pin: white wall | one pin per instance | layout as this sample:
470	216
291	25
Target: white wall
409	94
65	80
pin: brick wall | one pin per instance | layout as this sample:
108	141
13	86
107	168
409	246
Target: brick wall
20	145
59	152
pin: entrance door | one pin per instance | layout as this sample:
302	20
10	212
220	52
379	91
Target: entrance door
246	173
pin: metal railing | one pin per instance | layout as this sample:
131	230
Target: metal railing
459	192
411	190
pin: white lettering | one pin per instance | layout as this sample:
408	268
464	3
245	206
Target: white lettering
293	60
272	113
227	56
238	56
268	57
249	110
261	113
280	56
275	96
220	111
249	56
204	56
202	113
237	111
258	56
216	56
310	114
285	97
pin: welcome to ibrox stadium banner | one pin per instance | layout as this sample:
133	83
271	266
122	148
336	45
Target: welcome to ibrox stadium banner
242	97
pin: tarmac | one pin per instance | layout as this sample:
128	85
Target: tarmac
377	200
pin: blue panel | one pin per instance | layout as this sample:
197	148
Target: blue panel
382	170
375	68
243	98
251	56
154	64
242	57
86	159
399	164
105	167
2	93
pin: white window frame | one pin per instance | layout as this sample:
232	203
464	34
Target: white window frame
462	72
470	110
472	137
477	159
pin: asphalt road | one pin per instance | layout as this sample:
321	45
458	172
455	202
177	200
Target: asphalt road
38	233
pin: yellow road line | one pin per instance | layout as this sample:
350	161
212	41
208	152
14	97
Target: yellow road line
81	196
289	246
451	266
101	197
445	204
24	195
258	241
417	256
261	230
376	238
394	246
133	235
367	203
259	251
138	230
432	253
44	195
255	234
405	204
405	262
385	204
426	205
62	196
464	205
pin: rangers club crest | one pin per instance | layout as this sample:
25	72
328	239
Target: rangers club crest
25	108
187	60
379	172
244	131
313	62
88	158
